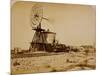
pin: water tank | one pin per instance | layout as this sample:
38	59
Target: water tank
50	37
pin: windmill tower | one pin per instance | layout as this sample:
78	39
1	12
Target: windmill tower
39	41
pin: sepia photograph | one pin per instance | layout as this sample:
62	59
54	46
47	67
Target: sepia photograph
52	37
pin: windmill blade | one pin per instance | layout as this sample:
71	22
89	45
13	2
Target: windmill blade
49	19
36	15
45	18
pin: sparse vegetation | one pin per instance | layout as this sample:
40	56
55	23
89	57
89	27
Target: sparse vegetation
54	62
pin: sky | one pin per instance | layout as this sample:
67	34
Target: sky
73	24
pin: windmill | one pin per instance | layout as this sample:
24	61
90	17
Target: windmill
40	38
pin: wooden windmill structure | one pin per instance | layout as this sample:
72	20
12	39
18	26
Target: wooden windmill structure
40	37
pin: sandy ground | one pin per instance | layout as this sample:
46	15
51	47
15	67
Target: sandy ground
71	61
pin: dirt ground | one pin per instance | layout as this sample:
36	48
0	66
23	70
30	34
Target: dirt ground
71	61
